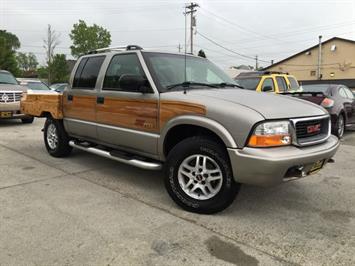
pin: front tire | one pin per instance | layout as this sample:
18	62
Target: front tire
56	139
339	127
199	176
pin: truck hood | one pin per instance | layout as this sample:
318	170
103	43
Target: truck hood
11	87
269	105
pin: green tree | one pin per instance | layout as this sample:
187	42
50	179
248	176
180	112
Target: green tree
9	43
86	38
201	53
27	62
22	61
32	61
59	69
42	72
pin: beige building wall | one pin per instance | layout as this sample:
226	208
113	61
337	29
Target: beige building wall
337	64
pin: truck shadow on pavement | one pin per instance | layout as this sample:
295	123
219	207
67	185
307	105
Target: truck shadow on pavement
148	187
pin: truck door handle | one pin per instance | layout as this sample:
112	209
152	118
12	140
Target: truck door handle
70	97
100	100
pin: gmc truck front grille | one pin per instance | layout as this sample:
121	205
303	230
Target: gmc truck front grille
312	130
10	96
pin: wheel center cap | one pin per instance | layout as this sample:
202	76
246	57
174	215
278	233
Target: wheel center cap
199	177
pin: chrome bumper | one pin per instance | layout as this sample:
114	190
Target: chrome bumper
6	107
271	166
13	107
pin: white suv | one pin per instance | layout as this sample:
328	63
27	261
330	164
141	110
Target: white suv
10	96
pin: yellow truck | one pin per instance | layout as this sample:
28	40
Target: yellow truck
267	81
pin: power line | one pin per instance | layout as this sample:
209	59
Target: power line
230	50
241	27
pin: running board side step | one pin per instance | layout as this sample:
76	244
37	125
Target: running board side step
148	165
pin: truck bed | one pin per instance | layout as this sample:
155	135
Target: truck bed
42	103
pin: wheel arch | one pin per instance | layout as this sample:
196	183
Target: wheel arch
193	124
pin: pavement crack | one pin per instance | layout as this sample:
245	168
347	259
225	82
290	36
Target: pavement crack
32	182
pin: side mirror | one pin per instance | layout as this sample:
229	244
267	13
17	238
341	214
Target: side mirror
134	83
267	88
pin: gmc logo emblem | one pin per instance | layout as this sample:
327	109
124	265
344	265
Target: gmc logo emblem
313	128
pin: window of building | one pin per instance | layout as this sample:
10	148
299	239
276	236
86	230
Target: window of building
313	73
87	72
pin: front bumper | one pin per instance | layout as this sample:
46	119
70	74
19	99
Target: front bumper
14	108
271	166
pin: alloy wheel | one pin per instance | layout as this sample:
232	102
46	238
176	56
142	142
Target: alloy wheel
200	177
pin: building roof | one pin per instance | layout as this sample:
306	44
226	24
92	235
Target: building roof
310	48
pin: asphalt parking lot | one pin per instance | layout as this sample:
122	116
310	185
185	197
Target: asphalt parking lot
87	210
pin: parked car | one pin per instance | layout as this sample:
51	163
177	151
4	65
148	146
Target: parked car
140	108
10	96
59	87
34	84
337	99
267	81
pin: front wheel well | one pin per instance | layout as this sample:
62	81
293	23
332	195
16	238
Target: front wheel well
181	132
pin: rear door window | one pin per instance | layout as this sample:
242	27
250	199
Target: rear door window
342	93
281	83
87	72
349	93
293	83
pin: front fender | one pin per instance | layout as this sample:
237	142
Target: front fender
194	120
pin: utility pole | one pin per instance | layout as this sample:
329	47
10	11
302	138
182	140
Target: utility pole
256	63
179	47
190	9
319	74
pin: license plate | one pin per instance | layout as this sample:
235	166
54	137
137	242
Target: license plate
5	114
316	167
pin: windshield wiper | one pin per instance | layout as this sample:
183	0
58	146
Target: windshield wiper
188	84
226	84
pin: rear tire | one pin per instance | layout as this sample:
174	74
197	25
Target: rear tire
339	126
56	138
199	177
27	120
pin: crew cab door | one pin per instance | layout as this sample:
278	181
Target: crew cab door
127	118
79	101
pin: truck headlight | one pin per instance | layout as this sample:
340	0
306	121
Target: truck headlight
271	134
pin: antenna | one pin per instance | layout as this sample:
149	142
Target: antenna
185	74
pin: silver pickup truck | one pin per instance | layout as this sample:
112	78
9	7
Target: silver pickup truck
154	109
10	96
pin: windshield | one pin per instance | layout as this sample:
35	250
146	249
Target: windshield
37	86
169	69
248	83
315	88
293	83
7	78
54	86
